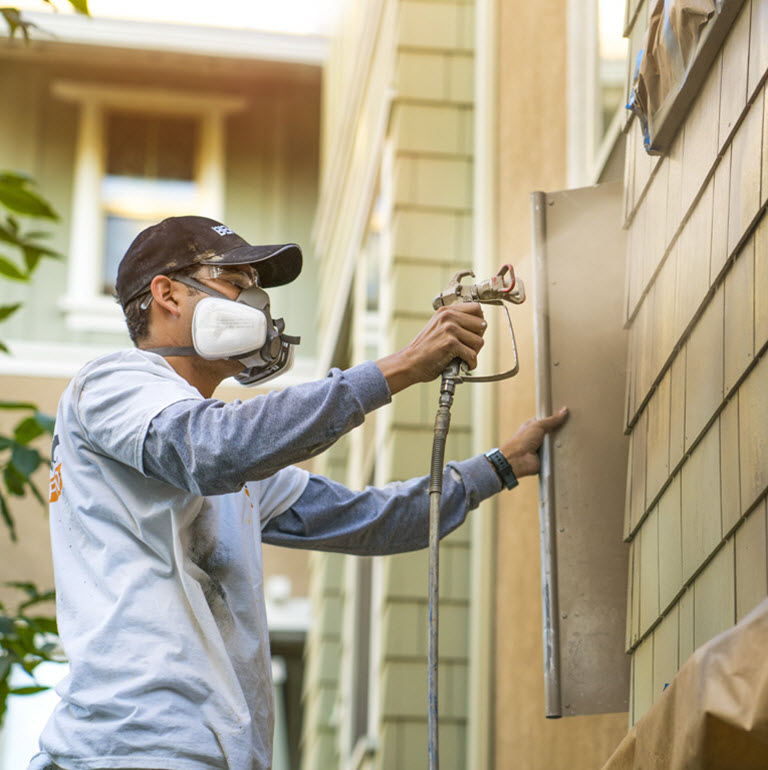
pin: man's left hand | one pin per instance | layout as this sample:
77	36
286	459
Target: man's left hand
522	449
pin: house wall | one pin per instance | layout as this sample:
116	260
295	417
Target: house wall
271	172
272	168
399	104
697	401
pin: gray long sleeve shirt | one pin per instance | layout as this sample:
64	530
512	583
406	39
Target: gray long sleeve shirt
160	505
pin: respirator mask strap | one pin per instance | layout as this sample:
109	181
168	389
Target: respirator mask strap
193	283
182	351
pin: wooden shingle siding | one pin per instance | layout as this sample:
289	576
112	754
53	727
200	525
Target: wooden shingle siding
745	175
670	544
751	572
753	434
738	345
657	444
761	284
666	652
697	393
735	61
730	489
758	46
704	370
701	520
714	596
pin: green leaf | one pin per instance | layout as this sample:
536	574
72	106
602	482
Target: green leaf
18	405
81	6
4	347
29	428
29	588
29	690
8	237
10	270
8	310
33	254
3	698
45	625
15	196
7	518
14	481
7	627
25	460
15	21
36	492
6	443
46	422
15	177
13	223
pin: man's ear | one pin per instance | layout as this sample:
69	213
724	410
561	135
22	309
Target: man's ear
165	293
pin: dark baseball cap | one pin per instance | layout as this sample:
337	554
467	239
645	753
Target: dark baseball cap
179	242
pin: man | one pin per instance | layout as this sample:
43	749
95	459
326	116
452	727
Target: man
163	496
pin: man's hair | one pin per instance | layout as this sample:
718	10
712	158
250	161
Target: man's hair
137	317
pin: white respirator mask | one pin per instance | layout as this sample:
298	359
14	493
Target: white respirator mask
241	330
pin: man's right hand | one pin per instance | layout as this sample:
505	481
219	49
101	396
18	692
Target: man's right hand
452	332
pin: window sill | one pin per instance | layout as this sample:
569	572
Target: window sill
365	748
95	313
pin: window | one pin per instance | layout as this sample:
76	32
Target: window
141	156
150	170
597	54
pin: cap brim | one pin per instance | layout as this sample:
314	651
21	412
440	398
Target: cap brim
277	265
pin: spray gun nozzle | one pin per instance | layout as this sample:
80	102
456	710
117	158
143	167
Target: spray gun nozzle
502	287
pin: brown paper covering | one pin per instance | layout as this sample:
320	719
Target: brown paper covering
714	714
668	48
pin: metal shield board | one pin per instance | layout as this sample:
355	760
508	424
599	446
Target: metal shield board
581	350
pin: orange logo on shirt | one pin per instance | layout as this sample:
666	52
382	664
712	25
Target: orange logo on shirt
56	483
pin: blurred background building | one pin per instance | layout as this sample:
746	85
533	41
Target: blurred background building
142	111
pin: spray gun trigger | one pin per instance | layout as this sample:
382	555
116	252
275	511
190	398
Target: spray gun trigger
507	269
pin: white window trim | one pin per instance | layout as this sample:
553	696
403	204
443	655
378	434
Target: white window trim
64	359
84	304
586	159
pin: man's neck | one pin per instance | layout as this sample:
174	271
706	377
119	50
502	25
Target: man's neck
199	373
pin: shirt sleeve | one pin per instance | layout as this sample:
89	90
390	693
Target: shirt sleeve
380	520
210	447
116	400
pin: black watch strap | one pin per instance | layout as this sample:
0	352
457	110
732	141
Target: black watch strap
502	467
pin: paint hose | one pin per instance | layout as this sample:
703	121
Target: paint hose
442	424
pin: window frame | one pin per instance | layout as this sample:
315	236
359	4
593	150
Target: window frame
588	151
85	305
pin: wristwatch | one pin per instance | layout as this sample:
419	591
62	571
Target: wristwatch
502	467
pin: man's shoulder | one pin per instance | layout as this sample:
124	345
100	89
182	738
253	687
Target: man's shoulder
128	366
128	370
133	359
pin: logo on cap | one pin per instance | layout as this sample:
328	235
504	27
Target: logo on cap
222	230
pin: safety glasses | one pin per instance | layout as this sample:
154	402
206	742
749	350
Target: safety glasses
241	277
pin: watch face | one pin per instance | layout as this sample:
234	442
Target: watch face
502	468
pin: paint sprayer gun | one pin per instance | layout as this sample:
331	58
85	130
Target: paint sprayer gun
503	287
500	289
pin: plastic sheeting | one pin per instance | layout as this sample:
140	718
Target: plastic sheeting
714	714
666	54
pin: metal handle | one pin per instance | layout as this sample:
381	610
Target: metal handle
550	611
